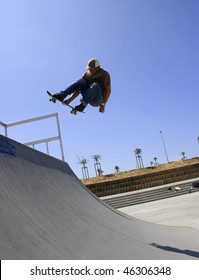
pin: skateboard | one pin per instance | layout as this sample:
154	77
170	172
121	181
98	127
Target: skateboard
54	100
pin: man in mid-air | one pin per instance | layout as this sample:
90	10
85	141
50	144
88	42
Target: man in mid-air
94	86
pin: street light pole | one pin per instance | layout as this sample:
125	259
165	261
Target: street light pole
164	146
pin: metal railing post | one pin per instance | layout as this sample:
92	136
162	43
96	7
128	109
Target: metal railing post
60	139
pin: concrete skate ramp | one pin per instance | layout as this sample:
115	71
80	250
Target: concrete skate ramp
47	213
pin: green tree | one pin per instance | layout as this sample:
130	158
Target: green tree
183	156
96	158
117	169
97	164
84	162
138	156
155	161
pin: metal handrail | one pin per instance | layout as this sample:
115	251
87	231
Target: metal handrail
46	140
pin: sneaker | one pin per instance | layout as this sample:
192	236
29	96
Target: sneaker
59	97
80	107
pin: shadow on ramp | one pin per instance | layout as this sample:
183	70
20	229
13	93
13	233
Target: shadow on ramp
47	213
176	250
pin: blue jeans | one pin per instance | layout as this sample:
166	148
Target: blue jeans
92	94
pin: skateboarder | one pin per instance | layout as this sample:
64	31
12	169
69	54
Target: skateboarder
94	86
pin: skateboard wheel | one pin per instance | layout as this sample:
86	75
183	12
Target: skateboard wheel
73	112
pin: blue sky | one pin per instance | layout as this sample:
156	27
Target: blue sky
149	47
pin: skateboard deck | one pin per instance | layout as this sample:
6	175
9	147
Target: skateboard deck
54	100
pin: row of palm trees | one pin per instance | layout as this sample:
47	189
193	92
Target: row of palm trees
97	166
139	160
99	171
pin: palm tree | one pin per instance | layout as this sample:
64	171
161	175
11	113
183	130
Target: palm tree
138	151
117	169
183	156
96	158
155	161
138	156
97	164
83	162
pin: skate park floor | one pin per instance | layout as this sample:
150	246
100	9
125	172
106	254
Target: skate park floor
176	211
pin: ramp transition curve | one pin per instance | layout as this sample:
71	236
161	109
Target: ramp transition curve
47	213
